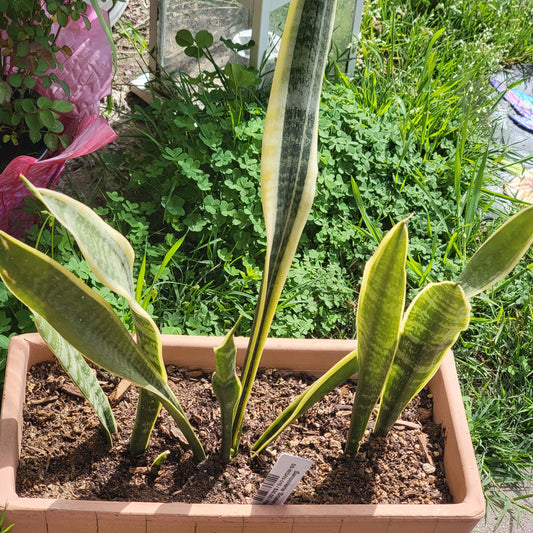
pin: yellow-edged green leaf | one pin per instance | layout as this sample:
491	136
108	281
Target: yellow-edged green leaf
289	163
80	373
108	253
499	254
111	258
85	320
333	378
379	313
429	329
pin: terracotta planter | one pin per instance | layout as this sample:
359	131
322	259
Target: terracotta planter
33	515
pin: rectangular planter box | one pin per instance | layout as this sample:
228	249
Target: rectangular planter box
34	515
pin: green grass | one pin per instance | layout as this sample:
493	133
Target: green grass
411	129
497	377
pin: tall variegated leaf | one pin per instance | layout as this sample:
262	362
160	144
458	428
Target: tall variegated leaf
333	378
80	373
429	329
86	321
379	313
288	163
111	257
499	254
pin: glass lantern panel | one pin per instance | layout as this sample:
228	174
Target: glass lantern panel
342	31
276	22
344	22
222	18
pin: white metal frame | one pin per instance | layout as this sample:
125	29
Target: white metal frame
261	10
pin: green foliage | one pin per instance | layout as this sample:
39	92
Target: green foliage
75	320
496	370
28	51
15	318
2	518
398	352
410	128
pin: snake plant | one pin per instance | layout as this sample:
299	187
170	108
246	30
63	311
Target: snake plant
289	164
75	320
398	352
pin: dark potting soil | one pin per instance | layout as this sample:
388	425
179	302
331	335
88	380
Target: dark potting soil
65	455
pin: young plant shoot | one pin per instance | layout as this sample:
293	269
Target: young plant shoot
227	388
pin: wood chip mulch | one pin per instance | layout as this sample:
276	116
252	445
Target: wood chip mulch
65	455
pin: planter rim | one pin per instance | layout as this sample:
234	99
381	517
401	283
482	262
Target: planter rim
29	349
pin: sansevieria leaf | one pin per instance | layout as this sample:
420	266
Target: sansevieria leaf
499	254
289	164
429	329
227	388
80	373
111	257
86	321
379	313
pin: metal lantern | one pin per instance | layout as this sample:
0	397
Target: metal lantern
238	20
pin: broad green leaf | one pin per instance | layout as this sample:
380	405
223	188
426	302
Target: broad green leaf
379	313
108	253
184	38
429	329
44	103
85	320
62	106
51	141
81	374
333	378
204	39
33	122
5	92
15	80
289	163
111	257
499	254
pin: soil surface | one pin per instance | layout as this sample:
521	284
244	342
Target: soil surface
65	455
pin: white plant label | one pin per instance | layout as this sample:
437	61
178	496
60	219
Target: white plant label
282	479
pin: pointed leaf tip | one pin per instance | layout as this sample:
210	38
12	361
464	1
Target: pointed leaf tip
499	254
